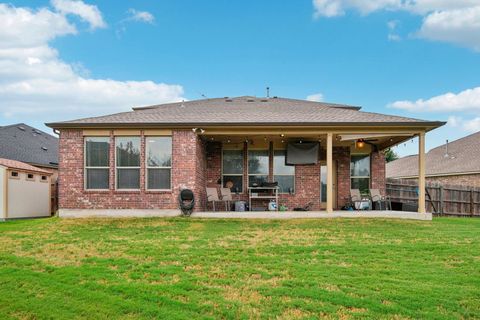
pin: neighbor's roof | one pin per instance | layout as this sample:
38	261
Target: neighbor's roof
246	111
463	157
24	143
18	165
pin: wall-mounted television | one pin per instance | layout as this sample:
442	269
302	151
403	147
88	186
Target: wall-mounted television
305	152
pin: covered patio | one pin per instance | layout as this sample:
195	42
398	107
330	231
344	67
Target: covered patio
349	158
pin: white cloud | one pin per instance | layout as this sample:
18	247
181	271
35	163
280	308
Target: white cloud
470	125
23	28
318	97
35	82
331	8
454	121
467	100
461	26
88	13
443	20
140	16
392	30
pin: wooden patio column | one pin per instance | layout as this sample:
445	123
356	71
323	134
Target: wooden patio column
329	172
421	172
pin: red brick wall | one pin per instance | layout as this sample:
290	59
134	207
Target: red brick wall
342	157
188	167
377	178
214	163
195	165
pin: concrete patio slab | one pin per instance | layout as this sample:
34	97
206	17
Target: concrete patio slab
145	213
312	215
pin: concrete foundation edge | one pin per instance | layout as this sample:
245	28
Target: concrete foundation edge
117	213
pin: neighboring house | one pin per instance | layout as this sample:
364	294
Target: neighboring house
456	162
23	143
140	159
24	190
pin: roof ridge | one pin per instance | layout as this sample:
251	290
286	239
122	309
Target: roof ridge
456	141
13	125
274	98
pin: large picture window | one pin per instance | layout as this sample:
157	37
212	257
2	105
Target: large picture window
257	167
97	163
128	162
159	162
232	170
283	174
360	172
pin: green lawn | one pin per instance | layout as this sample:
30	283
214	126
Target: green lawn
190	268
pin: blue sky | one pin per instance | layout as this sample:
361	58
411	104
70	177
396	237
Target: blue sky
68	59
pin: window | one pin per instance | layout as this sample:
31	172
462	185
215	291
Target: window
30	177
159	163
97	163
257	166
283	174
44	179
232	170
14	175
323	184
128	162
360	172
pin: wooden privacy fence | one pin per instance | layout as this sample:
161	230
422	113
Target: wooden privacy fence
441	199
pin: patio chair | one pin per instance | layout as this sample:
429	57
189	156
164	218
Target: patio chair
227	197
212	196
357	200
384	202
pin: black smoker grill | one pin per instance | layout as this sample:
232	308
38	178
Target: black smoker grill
186	201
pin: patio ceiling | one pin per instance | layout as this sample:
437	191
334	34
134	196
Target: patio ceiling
380	141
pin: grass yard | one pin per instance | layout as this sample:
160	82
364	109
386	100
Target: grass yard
190	269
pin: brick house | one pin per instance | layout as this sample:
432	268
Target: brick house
454	163
140	159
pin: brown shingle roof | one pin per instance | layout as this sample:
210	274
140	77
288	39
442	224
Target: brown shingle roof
13	164
463	157
245	111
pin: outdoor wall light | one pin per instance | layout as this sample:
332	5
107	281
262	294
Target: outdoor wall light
282	135
360	143
198	130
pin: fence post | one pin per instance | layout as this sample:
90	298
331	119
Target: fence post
472	207
440	191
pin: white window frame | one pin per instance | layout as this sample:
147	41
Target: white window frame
286	175
117	168
235	174
85	167
147	167
256	174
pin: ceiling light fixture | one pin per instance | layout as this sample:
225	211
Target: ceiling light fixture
360	143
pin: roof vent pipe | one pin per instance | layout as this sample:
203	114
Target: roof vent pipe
268	92
446	155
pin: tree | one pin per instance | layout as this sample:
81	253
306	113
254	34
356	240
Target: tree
390	155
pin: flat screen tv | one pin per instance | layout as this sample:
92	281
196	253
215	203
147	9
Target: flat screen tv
302	153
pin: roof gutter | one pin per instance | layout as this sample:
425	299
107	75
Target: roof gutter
429	125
